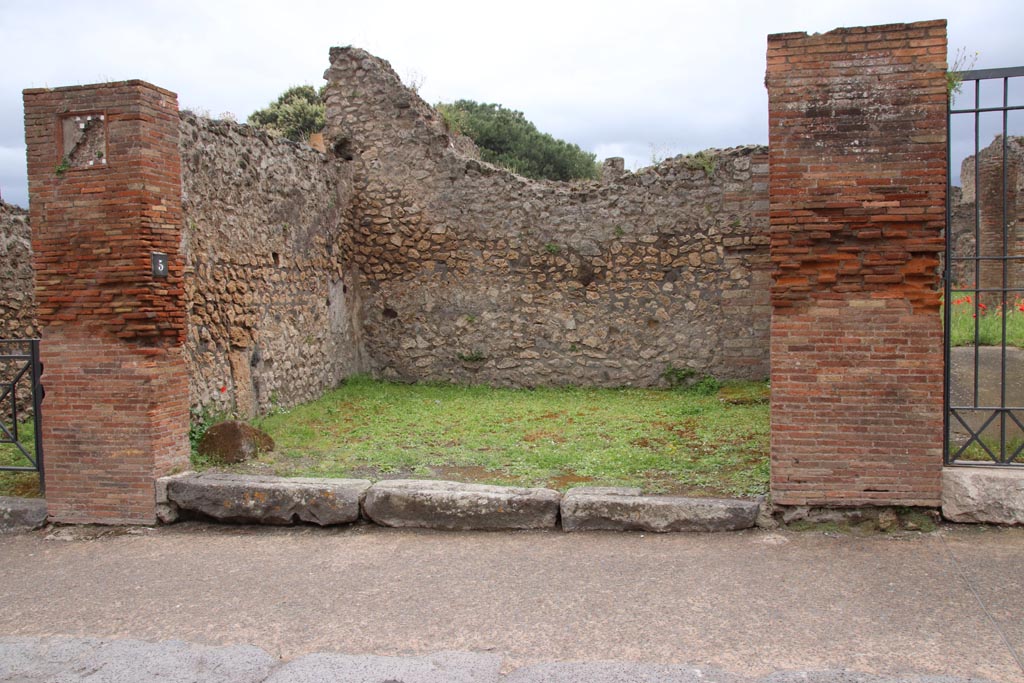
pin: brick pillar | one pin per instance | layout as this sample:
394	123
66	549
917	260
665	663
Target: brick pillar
989	193
857	139
105	193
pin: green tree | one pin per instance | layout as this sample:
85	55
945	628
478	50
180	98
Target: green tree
506	138
298	112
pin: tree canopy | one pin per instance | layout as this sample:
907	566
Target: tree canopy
506	138
298	112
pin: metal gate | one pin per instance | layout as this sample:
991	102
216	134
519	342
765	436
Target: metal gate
983	301
21	397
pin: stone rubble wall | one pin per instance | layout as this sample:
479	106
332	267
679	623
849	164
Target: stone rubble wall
17	296
272	314
473	274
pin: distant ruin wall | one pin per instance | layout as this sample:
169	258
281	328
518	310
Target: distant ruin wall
982	224
472	274
17	298
265	239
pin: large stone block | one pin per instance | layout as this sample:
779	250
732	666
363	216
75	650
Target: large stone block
21	514
269	500
613	509
983	494
455	506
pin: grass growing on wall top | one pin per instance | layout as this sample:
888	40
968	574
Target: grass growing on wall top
663	441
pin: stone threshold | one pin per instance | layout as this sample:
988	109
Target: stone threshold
444	505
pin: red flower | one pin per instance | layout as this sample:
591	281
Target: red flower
223	389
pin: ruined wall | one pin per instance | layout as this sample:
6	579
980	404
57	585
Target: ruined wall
473	274
265	241
972	224
17	299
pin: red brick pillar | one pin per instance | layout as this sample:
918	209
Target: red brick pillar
857	139
105	195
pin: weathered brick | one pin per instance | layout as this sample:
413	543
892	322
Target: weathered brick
856	347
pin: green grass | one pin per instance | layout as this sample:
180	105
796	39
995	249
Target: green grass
976	453
663	441
989	319
22	484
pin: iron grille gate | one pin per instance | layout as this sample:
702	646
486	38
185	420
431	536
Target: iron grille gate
983	301
20	386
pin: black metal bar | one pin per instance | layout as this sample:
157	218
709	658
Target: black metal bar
947	290
985	74
30	368
984	110
37	408
977	234
1006	276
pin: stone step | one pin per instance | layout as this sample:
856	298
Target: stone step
624	509
992	495
268	500
21	514
453	506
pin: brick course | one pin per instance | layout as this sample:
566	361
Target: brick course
116	409
857	134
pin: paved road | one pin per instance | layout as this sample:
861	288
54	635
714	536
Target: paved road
538	606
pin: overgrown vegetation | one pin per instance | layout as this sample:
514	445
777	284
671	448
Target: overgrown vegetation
955	75
20	484
703	161
663	441
296	114
971	315
506	138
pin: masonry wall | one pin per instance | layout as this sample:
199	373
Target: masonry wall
972	223
857	126
17	298
272	302
105	187
472	274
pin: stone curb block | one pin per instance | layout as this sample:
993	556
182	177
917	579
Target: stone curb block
269	500
166	511
21	514
453	506
622	509
983	494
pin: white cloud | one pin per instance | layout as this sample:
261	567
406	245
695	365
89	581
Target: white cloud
606	75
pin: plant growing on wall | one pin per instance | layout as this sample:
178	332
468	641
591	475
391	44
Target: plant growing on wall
296	114
506	138
955	75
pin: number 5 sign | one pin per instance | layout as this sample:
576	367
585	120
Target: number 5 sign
159	261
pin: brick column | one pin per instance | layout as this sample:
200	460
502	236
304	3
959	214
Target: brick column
857	139
105	193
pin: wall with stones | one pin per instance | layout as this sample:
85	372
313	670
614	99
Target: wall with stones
17	298
472	274
972	223
270	303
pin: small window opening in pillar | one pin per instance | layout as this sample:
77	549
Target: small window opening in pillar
83	141
277	259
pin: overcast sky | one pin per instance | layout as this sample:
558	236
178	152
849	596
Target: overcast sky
626	78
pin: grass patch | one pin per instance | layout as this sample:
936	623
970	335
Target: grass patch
663	441
19	484
971	315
